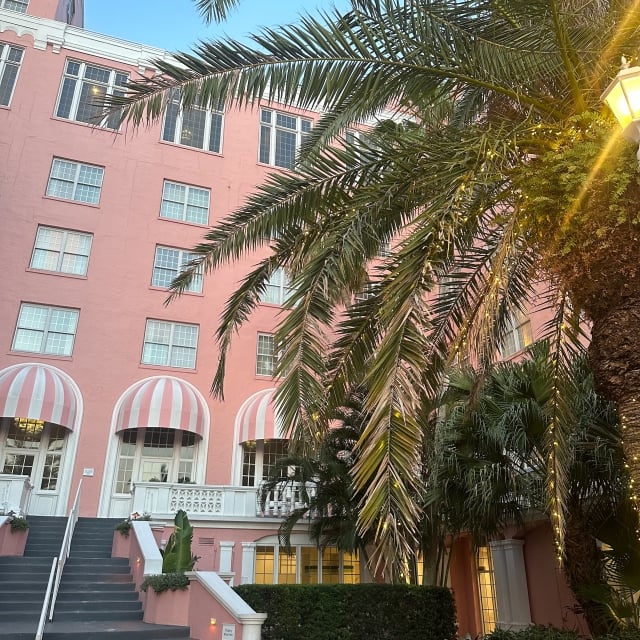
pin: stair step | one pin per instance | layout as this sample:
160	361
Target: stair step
97	570
115	615
95	595
99	605
131	630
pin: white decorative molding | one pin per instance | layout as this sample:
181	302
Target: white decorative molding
226	556
248	562
63	36
195	500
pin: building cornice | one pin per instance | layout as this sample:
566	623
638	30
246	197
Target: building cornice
63	36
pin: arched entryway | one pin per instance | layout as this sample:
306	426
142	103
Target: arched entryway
159	434
40	415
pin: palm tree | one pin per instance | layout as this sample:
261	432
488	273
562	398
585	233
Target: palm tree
484	169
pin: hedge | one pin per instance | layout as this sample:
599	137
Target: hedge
353	612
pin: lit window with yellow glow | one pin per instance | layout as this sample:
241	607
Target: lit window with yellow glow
487	590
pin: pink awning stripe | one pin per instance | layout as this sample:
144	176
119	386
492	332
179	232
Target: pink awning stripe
163	402
39	393
257	418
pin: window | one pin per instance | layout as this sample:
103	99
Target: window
193	127
15	5
75	181
259	458
278	289
518	335
10	59
83	87
155	455
265	358
185	203
305	565
488	608
169	263
281	135
170	344
49	330
61	250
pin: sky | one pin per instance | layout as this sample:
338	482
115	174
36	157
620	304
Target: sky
175	25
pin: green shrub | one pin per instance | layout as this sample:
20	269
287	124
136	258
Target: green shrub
124	527
19	524
353	612
549	633
165	582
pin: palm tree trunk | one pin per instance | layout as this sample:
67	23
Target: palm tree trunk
614	354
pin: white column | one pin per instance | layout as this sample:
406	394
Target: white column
510	578
248	562
226	556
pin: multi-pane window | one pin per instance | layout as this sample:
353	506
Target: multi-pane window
259	459
518	336
193	127
281	135
305	565
15	5
170	344
10	59
155	455
84	87
265	356
487	590
49	330
278	289
184	202
61	250
169	263
75	181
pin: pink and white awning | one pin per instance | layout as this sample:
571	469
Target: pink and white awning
165	402
258	420
37	392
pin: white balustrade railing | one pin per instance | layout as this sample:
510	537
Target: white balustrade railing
14	494
162	500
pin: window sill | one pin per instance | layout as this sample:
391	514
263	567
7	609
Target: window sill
37	354
190	224
86	125
47	272
167	292
159	367
6	107
273	167
84	204
216	154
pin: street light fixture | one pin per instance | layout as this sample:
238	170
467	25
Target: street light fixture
623	98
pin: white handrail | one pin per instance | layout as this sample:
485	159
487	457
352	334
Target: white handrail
65	547
43	613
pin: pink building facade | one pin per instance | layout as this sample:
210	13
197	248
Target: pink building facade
99	380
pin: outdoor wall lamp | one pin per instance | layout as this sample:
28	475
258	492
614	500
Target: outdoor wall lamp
623	98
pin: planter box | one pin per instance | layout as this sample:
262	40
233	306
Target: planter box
121	545
168	607
12	544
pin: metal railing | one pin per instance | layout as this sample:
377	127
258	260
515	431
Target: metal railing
58	566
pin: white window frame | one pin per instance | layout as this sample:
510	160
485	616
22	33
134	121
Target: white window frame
76	184
518	335
261	372
270	128
185	205
176	135
184	257
7	65
23	4
171	345
66	235
280	286
259	456
114	86
46	331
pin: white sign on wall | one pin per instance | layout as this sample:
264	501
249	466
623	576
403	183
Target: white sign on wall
228	632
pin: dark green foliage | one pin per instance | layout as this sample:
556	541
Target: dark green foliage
549	633
353	612
19	524
124	527
165	582
176	557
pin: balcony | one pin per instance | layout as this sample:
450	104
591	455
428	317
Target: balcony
161	500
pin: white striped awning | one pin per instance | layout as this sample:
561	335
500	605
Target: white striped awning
165	402
258	420
37	392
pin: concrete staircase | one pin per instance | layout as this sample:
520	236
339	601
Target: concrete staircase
97	599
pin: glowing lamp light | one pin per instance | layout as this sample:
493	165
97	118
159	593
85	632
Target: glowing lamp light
212	621
623	98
